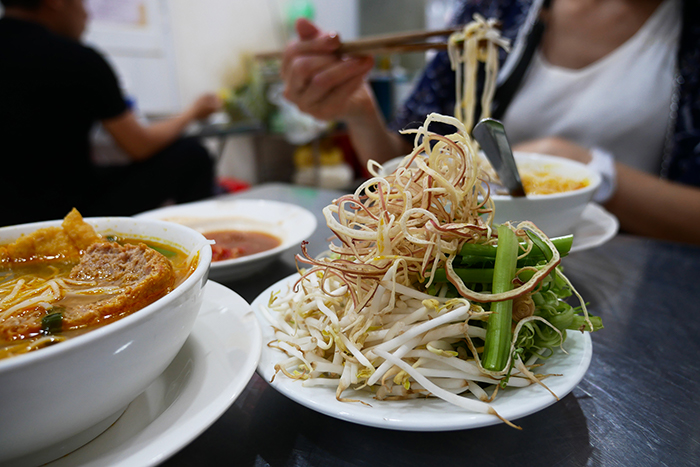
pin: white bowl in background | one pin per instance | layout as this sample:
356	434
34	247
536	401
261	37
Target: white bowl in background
290	223
390	166
555	214
76	389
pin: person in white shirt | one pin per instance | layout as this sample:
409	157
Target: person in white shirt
598	89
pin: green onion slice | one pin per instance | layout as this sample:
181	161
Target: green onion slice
52	323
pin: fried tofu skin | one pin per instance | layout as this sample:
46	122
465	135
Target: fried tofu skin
65	242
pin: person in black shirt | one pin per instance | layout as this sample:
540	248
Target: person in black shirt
54	90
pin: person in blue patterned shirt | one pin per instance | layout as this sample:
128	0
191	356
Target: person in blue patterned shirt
612	83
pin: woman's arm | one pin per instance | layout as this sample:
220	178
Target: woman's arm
650	206
370	137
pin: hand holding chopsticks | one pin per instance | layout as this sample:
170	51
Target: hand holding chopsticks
321	82
327	79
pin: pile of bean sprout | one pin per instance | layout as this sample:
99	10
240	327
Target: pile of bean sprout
361	318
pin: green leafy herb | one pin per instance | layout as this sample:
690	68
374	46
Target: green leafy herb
53	322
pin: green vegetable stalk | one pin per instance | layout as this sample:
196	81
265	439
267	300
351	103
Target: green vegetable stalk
474	251
498	330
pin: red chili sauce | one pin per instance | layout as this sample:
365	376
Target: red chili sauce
232	244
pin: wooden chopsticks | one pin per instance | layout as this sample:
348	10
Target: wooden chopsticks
408	41
387	43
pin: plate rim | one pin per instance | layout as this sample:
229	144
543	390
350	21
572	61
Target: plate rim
605	217
467	420
186	427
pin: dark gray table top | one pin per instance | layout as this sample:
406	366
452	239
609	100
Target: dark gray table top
634	407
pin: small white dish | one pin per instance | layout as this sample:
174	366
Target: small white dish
205	378
425	414
595	227
288	222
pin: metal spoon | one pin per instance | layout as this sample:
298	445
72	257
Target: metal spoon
491	136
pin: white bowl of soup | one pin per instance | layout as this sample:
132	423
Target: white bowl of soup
106	347
557	190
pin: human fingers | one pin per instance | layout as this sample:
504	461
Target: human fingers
336	103
302	72
340	80
336	75
206	105
325	44
306	30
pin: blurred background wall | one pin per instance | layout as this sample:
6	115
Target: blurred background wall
168	52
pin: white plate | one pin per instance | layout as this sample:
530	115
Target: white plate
596	227
290	223
210	372
425	414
